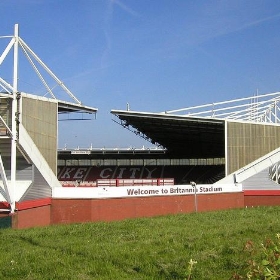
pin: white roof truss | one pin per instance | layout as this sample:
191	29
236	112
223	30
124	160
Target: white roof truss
39	68
258	108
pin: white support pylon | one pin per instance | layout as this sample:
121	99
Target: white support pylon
14	124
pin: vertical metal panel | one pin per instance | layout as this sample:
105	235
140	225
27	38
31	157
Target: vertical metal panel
39	118
248	142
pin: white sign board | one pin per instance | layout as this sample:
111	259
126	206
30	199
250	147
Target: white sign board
115	192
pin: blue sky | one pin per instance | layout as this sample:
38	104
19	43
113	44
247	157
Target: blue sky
156	55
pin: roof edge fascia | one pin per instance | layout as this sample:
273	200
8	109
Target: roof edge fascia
164	116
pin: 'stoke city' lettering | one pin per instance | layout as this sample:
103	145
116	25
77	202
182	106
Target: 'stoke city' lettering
118	172
79	174
133	173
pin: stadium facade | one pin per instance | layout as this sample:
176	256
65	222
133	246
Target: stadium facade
208	157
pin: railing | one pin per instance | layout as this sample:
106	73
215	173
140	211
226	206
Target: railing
257	108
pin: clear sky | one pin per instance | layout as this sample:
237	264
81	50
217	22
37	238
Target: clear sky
156	55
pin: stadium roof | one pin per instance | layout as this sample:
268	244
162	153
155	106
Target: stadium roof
184	137
67	107
63	106
199	131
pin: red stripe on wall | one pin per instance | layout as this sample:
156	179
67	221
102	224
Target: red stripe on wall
4	205
262	192
33	203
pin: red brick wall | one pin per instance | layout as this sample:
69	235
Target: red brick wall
268	200
61	211
261	198
33	217
66	211
86	210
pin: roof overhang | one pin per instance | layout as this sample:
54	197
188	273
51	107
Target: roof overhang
68	107
64	107
183	136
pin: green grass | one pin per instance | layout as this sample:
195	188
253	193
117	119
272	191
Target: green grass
148	248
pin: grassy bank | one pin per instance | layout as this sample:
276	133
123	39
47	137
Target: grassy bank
150	248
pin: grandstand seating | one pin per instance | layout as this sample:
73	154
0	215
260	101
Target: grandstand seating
201	174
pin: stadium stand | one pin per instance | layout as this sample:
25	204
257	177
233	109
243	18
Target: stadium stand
91	175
